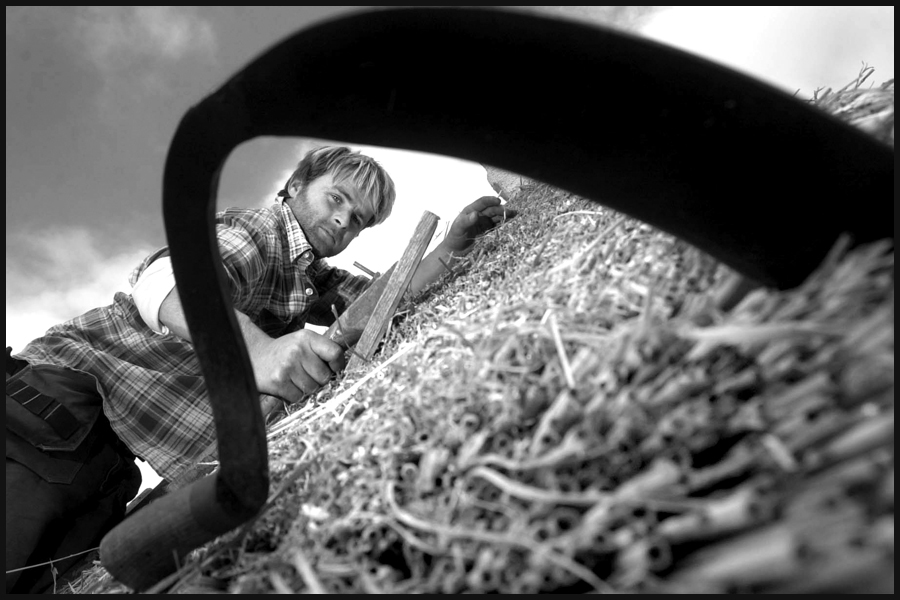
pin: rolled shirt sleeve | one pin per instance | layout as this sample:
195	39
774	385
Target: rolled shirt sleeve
152	287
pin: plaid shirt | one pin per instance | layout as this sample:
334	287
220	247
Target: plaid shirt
152	388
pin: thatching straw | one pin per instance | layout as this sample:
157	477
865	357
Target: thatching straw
573	409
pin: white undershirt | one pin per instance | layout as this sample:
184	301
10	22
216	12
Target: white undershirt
151	289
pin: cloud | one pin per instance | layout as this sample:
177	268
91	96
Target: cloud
116	37
57	274
797	48
174	34
139	51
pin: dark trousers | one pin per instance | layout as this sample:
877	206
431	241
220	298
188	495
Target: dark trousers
62	502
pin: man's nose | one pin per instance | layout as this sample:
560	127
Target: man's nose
342	217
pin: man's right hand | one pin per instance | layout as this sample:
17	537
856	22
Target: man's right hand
295	364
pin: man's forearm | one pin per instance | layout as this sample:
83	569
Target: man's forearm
475	220
431	268
171	314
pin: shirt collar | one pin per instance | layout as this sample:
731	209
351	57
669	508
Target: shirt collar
298	246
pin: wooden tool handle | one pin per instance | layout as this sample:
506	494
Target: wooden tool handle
397	285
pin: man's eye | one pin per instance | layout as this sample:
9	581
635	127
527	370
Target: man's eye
336	198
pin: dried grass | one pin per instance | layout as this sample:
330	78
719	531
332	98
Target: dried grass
870	109
572	412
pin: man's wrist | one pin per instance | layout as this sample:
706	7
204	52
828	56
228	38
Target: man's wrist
457	250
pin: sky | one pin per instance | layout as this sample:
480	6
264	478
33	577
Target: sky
94	95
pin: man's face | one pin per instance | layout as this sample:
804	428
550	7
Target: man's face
331	213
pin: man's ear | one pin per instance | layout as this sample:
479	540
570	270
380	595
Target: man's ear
294	186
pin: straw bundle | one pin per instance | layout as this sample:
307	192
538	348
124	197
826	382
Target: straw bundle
574	411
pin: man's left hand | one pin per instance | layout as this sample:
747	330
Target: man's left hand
474	221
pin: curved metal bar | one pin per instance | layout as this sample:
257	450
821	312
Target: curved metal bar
760	180
150	544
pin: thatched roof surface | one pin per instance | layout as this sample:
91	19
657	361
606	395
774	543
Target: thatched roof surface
575	410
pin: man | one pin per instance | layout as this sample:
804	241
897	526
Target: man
123	380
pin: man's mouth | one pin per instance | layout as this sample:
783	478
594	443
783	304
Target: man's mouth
329	236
